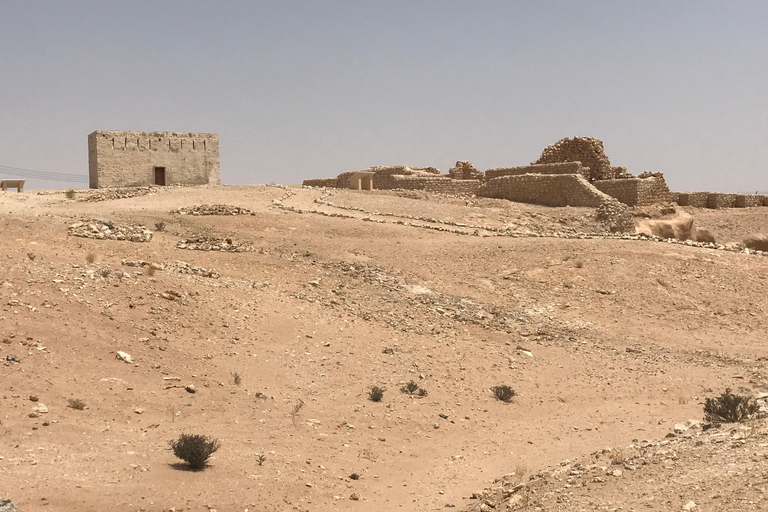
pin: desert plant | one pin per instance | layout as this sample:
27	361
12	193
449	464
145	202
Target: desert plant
70	194
236	378
195	449
31	256
76	404
579	264
296	409
150	270
105	272
375	393
260	459
503	392
729	408
160	225
90	257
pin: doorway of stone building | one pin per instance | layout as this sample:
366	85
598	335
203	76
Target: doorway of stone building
160	176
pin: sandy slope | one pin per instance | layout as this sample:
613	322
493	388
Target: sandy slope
606	341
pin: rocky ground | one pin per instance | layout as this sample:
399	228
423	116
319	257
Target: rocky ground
608	343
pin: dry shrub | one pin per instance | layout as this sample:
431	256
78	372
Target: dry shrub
375	393
195	449
76	404
90	257
503	393
729	408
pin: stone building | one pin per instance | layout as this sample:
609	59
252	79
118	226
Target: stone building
135	159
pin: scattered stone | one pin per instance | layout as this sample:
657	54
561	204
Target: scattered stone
12	359
104	230
7	506
691	505
354	496
204	243
123	356
186	268
191	388
117	193
41	409
213	209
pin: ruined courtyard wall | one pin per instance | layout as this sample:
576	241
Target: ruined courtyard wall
546	189
553	168
442	185
128	159
321	182
636	191
720	200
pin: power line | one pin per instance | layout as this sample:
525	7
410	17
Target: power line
43	175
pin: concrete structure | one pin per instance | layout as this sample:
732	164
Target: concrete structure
361	180
136	159
17	184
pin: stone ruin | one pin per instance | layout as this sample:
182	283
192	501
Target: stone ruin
572	172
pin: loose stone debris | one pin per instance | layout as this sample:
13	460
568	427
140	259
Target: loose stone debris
204	243
117	193
105	230
213	209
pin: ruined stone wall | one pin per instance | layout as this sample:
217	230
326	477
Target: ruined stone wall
587	150
720	200
749	200
128	159
546	189
636	191
464	170
442	185
321	182
554	168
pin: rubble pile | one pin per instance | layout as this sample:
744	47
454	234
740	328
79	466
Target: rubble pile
108	194
105	230
205	243
185	268
614	217
213	209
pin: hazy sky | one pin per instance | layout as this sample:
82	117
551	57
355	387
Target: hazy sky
300	89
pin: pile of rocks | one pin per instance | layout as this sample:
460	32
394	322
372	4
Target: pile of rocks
185	268
614	217
204	243
108	194
213	209
587	150
104	230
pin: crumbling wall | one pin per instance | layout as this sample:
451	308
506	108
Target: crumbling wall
443	185
321	182
546	189
464	170
554	168
587	150
128	159
636	191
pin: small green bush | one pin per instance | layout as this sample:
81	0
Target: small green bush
195	449
729	408
70	194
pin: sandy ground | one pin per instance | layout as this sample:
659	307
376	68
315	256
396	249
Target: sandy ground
606	342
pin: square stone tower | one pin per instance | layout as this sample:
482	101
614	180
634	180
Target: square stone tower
139	159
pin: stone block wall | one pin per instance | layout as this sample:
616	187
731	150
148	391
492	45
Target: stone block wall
717	200
321	182
546	189
128	159
748	200
636	191
695	199
587	150
443	185
554	168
